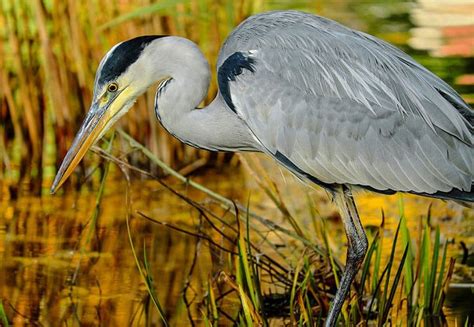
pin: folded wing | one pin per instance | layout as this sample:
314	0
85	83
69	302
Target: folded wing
344	107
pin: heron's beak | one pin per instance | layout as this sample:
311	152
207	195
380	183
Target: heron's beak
93	127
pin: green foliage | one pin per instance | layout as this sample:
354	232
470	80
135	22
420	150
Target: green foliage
380	297
158	8
145	272
423	277
3	316
407	284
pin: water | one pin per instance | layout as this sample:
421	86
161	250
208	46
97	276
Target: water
55	269
51	273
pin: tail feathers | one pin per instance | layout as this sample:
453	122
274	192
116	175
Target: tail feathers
465	198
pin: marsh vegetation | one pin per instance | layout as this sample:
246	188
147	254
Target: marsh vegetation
137	237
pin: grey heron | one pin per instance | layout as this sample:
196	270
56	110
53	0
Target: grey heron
335	106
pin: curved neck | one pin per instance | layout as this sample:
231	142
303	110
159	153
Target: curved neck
188	76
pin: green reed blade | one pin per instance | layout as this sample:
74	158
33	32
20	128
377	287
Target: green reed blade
388	304
212	301
406	241
293	292
100	192
206	321
375	293
247	282
434	268
439	284
255	275
3	315
144	274
142	11
244	300
383	300
378	254
367	261
425	265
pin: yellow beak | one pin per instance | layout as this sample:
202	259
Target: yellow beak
91	129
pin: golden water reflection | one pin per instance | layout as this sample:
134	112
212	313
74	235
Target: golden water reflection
51	275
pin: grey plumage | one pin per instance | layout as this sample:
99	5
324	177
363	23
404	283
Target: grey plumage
348	108
335	106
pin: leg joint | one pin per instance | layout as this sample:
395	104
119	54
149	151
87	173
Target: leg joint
357	249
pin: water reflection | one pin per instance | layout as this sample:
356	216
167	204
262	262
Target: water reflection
444	28
54	276
51	275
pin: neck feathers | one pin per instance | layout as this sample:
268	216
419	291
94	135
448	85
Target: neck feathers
184	78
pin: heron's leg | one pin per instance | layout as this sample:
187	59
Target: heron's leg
357	248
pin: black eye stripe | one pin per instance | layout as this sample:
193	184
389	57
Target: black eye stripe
125	54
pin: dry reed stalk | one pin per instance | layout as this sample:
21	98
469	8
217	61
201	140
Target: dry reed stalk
53	84
10	103
23	88
52	50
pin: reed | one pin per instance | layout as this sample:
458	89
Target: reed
296	288
3	316
305	302
50	50
421	279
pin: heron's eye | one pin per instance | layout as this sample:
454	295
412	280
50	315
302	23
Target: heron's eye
113	87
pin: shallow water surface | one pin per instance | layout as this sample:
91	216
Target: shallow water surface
66	261
58	270
57	267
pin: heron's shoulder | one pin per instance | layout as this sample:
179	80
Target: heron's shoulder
285	18
267	23
230	68
292	30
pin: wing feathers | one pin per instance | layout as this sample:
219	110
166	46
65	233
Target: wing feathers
346	107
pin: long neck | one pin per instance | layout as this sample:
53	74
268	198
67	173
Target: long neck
214	127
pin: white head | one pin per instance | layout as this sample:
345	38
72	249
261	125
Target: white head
126	72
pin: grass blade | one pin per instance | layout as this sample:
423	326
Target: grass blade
383	300
3	316
439	284
406	241
434	267
142	11
368	259
425	265
388	304
145	276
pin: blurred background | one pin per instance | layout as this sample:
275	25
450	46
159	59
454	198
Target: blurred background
50	50
53	269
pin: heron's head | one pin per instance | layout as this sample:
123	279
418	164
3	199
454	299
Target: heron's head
125	72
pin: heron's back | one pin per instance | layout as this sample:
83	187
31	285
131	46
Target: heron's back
338	106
